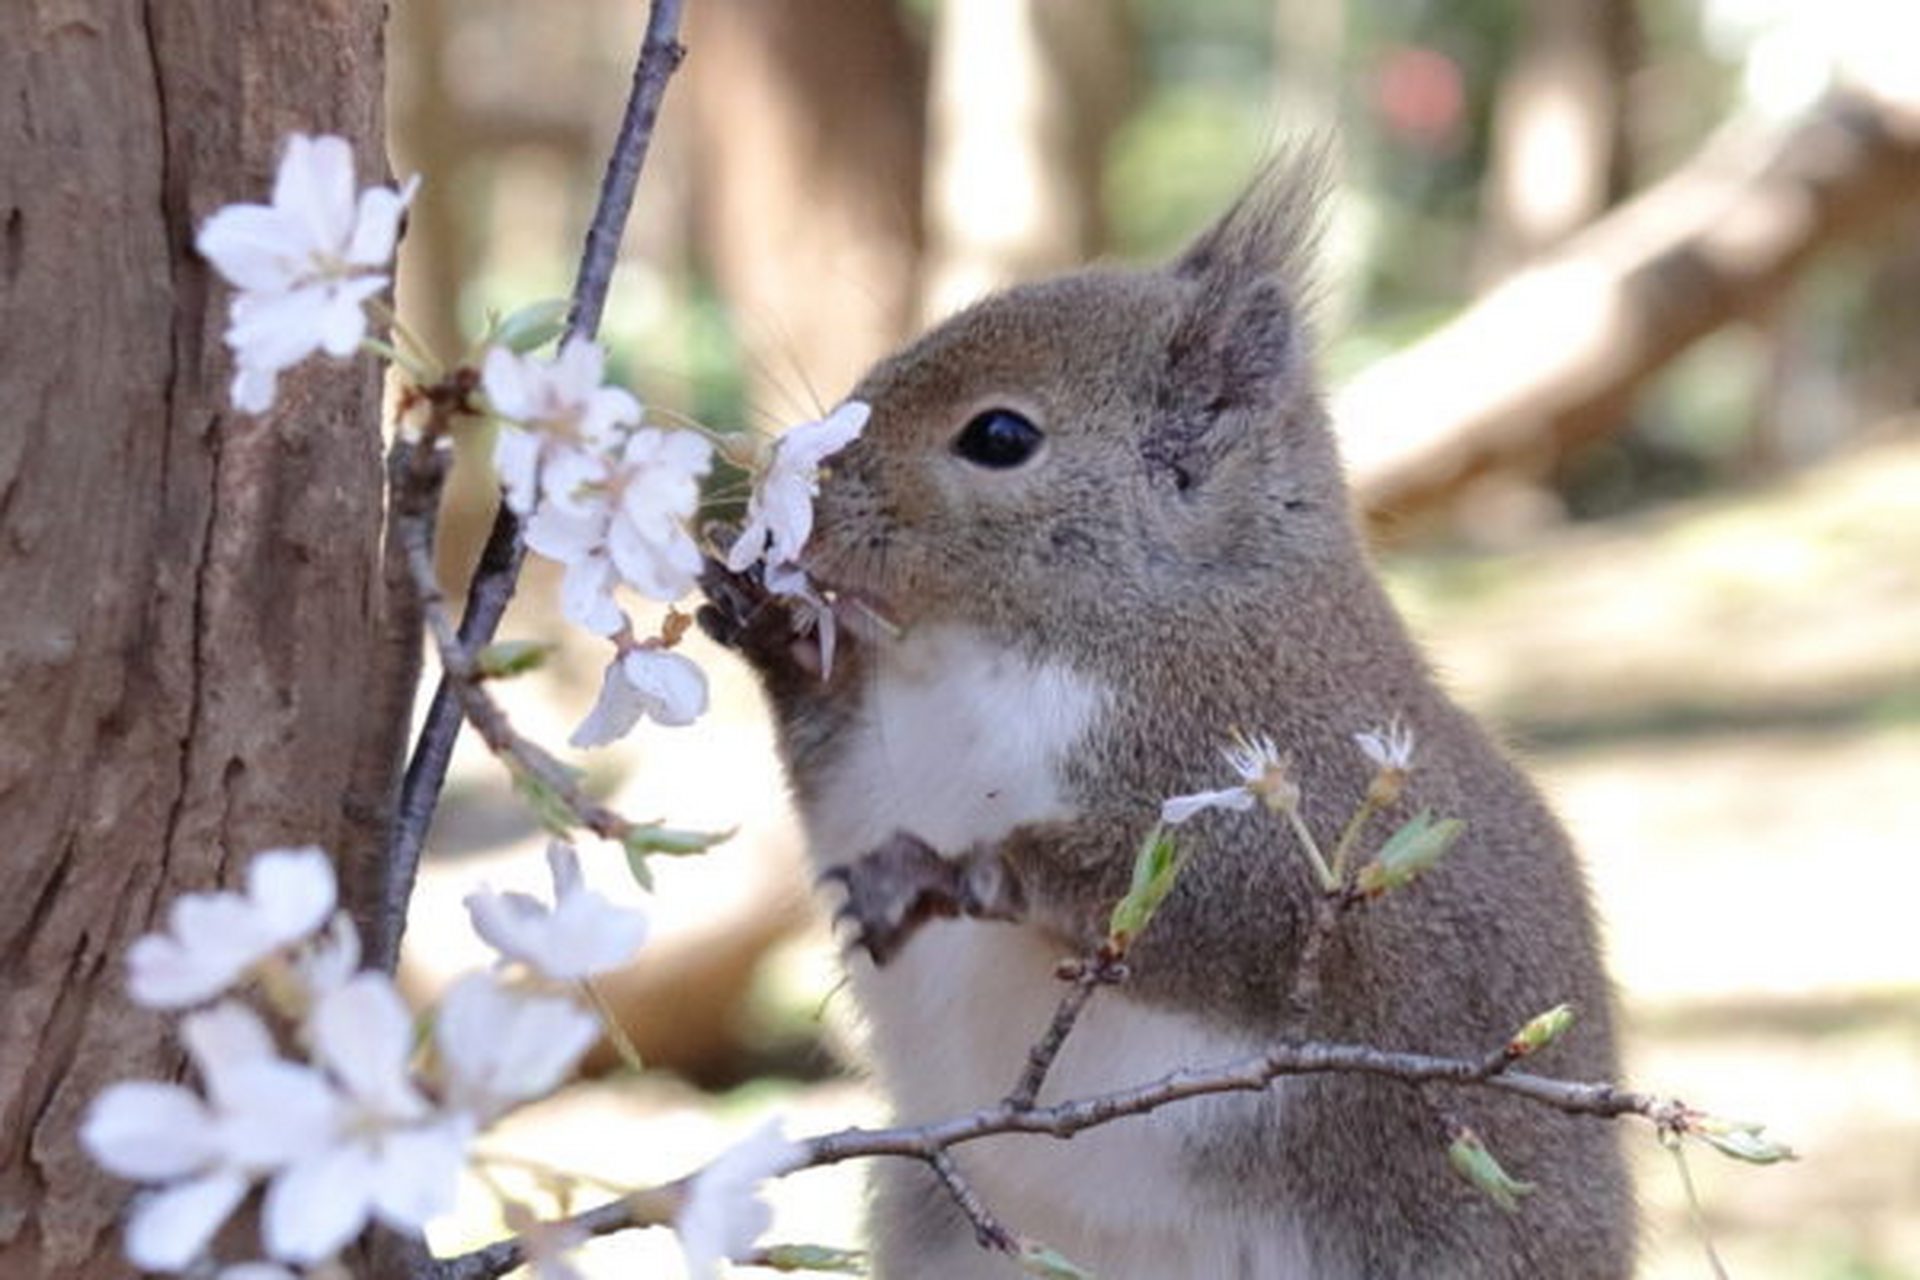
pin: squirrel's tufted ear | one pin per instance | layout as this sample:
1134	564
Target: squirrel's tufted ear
1241	341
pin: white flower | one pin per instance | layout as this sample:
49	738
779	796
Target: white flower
621	517
503	1047
560	405
723	1214
780	512
260	1114
255	1271
1263	779
213	938
331	959
304	265
580	935
1388	748
390	1157
643	682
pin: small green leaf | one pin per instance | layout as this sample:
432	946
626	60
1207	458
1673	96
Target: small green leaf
532	326
505	658
642	841
1155	869
1037	1259
1541	1030
1743	1140
1414	848
812	1257
1472	1161
548	808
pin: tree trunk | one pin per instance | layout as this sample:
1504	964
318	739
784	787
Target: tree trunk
808	123
1025	95
191	623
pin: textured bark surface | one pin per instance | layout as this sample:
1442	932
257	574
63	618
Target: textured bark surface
191	595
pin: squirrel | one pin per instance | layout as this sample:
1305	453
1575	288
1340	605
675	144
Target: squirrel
1105	517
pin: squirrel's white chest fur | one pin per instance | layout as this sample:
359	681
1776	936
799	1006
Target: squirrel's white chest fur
959	740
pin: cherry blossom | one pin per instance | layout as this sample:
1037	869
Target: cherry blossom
558	407
780	512
1390	747
260	1114
621	518
1264	779
502	1047
214	938
723	1214
643	682
390	1156
304	264
580	935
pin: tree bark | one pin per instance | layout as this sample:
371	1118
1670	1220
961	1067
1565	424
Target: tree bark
1024	97
1553	356
192	595
809	122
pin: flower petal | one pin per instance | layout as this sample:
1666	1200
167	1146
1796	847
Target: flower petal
318	1205
1180	808
314	187
148	1131
418	1175
364	1034
376	223
586	596
252	246
292	890
169	1229
672	688
503	1048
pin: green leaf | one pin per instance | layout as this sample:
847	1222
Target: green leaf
1414	848
1155	869
1037	1259
548	808
505	658
532	326
1472	1161
642	841
1743	1140
812	1257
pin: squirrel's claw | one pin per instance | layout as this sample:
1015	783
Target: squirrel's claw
903	884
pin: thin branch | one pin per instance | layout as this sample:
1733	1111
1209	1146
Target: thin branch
498	570
987	1229
1251	1074
528	761
1103	968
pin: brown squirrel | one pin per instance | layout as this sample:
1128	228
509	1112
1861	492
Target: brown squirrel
1106	518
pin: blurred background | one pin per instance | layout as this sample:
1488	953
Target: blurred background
1621	318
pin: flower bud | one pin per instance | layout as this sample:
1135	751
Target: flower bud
1542	1030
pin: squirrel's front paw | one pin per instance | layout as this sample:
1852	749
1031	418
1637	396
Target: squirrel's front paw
743	615
893	890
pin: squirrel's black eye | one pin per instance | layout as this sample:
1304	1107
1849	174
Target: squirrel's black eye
998	438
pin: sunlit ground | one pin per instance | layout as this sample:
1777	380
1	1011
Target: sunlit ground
1723	700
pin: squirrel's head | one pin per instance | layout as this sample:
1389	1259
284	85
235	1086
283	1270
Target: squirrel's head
1105	442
